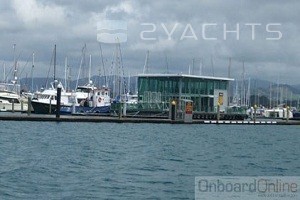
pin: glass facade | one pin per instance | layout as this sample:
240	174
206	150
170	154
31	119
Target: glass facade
163	89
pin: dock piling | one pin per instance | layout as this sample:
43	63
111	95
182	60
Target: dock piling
29	106
218	113
255	107
13	106
173	110
58	101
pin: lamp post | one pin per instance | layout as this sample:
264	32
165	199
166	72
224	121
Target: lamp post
254	114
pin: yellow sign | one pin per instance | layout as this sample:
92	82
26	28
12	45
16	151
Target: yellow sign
189	108
220	99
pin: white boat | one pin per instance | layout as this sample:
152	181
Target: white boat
10	100
278	112
45	102
89	99
131	98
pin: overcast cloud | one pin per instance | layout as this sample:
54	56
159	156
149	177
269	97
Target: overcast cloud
36	25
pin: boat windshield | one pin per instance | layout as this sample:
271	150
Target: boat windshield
85	90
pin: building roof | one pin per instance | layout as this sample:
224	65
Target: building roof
186	76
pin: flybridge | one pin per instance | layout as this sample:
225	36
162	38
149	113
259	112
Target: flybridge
210	31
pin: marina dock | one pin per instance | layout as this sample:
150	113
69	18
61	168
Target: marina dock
113	119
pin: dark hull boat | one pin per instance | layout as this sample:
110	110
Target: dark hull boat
43	108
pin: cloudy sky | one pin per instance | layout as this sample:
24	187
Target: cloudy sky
175	32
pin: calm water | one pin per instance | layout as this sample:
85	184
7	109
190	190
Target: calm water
136	161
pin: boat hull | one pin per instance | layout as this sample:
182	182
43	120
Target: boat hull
67	110
18	107
43	108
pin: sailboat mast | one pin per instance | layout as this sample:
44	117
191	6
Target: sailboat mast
228	85
200	67
243	85
66	65
4	75
102	60
146	67
32	72
90	67
212	65
129	82
15	64
193	66
248	92
69	77
277	95
229	68
54	67
270	104
167	63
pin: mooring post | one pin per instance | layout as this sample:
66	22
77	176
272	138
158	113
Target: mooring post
251	113
13	106
120	109
254	114
29	106
50	106
287	113
218	112
58	101
124	109
173	110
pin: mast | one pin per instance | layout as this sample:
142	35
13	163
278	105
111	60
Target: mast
243	85
277	96
105	78
66	66
146	67
69	77
54	72
4	75
291	102
15	65
200	66
193	66
129	82
248	93
270	96
212	65
81	63
229	68
229	85
90	68
32	72
167	64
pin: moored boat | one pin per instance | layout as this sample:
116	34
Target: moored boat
89	101
10	99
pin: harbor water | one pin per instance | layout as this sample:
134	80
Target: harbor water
48	160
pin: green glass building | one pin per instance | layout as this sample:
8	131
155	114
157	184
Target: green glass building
205	91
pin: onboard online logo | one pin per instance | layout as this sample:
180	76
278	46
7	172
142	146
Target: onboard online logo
112	31
247	188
